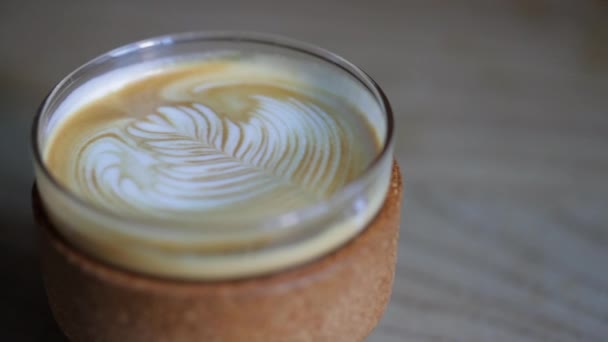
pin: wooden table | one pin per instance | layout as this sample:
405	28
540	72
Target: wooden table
502	115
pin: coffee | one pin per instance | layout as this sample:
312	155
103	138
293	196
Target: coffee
216	139
211	166
216	156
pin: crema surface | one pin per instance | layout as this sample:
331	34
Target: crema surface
216	139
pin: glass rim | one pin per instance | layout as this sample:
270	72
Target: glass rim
276	222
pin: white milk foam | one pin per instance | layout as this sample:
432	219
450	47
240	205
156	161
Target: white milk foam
187	158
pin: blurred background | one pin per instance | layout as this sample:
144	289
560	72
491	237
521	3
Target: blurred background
502	129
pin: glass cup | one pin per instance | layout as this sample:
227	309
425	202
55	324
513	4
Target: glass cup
111	277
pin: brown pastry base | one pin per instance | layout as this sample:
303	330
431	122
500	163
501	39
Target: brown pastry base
339	297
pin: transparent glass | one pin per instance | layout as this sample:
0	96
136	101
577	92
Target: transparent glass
216	250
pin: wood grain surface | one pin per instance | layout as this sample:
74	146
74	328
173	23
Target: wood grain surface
502	121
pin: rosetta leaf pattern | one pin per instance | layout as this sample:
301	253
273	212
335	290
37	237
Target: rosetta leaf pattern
187	157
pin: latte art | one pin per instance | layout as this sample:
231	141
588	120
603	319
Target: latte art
217	141
181	158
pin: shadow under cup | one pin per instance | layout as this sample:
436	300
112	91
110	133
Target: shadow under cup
323	273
